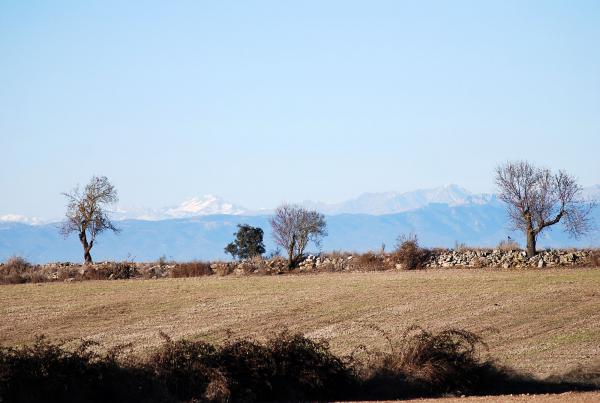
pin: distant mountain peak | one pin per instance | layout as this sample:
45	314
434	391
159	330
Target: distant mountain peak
380	203
17	218
397	202
205	205
192	207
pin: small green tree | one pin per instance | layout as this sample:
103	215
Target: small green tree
248	243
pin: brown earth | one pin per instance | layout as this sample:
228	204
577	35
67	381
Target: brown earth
539	321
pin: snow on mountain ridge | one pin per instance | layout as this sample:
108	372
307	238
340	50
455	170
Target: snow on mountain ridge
367	203
396	202
195	206
17	218
206	205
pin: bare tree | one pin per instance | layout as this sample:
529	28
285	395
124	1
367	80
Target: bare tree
86	212
537	199
294	227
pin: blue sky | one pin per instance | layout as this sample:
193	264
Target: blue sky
261	102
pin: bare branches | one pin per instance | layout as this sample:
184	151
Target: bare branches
86	214
537	199
295	227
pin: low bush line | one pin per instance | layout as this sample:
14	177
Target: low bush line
287	367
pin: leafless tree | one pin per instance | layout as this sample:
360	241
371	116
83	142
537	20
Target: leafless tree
86	212
537	199
294	227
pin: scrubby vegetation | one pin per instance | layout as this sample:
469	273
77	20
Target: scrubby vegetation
287	367
17	270
409	254
191	269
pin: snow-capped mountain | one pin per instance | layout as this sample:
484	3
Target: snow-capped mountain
17	218
440	216
196	206
395	202
367	203
206	205
204	237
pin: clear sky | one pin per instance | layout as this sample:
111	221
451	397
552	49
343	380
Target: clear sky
265	101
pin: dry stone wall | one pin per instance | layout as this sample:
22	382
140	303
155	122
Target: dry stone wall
340	262
507	259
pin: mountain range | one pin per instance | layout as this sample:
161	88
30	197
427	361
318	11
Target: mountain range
199	228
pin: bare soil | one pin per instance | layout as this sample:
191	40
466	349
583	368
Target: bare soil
539	321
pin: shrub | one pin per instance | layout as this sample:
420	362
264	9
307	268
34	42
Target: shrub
191	269
53	372
446	361
368	261
183	367
425	363
460	246
16	270
287	367
508	245
109	271
409	253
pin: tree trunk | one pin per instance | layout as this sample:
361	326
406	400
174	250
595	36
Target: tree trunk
87	257
291	257
531	243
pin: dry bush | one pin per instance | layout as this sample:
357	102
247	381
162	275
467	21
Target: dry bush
17	270
53	372
460	246
182	366
368	261
595	257
423	364
409	254
508	245
446	361
17	264
287	367
307	369
191	269
109	271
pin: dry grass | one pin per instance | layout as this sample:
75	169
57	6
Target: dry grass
191	269
544	322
